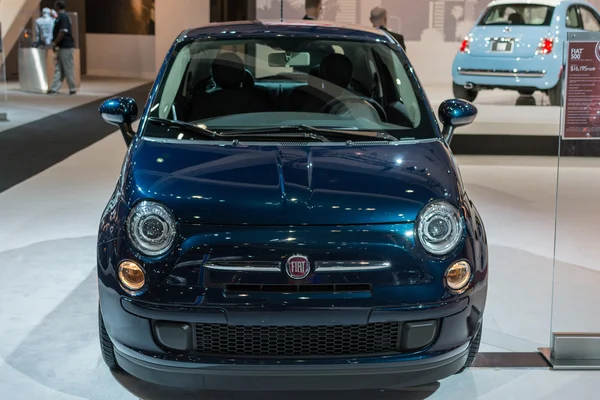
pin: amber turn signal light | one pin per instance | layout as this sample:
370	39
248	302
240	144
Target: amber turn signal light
458	275
131	276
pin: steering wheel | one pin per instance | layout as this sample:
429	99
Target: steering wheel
334	105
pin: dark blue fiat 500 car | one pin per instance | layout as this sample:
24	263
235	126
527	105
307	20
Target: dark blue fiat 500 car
289	216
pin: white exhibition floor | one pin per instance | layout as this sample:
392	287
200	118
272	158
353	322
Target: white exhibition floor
24	107
48	341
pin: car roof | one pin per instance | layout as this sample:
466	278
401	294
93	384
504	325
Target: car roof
295	28
551	3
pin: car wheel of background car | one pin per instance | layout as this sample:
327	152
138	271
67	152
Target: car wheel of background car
473	350
525	92
555	94
460	92
106	345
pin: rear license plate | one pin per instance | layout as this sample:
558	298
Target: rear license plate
502	46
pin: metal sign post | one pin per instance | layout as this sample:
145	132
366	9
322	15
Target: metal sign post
281	9
3	89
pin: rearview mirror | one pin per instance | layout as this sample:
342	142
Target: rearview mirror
287	60
121	112
455	113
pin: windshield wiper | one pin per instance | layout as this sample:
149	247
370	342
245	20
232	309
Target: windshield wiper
284	132
198	130
307	129
273	135
185	126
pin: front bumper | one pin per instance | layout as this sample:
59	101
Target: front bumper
291	377
138	351
539	72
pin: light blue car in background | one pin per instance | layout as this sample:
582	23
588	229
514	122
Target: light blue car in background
517	45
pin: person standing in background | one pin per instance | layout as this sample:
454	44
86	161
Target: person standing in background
63	44
313	9
44	26
379	20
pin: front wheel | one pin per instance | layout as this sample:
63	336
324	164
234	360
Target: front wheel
106	345
473	350
460	92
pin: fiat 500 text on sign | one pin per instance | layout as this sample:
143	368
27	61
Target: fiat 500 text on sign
289	216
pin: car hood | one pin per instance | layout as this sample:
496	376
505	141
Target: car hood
291	185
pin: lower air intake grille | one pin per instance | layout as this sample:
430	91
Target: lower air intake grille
297	341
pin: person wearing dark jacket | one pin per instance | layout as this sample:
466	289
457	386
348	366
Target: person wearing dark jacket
63	44
313	9
379	20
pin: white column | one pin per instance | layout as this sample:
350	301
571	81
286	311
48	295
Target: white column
174	16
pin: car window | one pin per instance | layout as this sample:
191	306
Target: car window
176	76
572	19
518	14
590	20
275	81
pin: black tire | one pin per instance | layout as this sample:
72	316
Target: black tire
464	94
555	94
526	92
473	350
106	345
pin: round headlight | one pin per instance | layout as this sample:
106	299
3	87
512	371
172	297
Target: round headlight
151	228
440	227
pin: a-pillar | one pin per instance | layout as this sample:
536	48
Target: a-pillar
171	17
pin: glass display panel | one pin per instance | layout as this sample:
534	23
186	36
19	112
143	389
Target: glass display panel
515	195
576	269
3	87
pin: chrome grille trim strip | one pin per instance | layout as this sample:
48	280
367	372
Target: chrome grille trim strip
245	266
351	266
511	74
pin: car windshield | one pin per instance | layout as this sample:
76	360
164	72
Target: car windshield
518	14
353	89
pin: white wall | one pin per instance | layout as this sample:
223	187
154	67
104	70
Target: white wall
140	56
433	68
128	56
172	17
14	14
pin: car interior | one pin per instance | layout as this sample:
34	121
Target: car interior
348	80
518	15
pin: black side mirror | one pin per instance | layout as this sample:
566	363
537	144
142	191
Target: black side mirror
455	113
122	112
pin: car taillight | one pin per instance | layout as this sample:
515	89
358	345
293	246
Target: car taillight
464	46
546	46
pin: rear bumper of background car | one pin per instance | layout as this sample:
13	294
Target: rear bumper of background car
541	73
131	326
